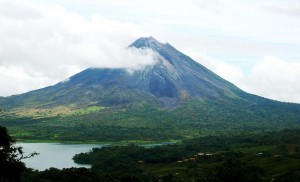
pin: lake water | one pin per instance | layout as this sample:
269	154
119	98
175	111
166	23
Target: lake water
59	155
54	154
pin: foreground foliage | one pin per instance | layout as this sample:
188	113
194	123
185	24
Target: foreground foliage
11	166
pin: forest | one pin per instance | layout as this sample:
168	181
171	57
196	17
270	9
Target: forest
147	123
269	156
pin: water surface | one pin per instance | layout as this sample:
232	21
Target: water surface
54	154
59	155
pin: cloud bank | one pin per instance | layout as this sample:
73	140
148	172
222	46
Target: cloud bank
42	46
270	77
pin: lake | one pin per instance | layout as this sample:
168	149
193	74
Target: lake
54	154
59	155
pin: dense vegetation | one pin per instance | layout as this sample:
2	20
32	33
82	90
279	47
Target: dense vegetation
148	123
249	157
11	166
261	157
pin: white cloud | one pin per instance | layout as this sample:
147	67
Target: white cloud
274	78
270	77
14	79
40	47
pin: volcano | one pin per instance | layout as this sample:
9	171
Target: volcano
172	79
173	98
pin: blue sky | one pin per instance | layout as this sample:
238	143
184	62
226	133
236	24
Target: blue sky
254	44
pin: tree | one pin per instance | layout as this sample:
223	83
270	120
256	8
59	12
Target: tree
234	170
11	166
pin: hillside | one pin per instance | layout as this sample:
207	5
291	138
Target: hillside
174	98
173	78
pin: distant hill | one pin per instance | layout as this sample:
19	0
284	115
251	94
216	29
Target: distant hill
176	94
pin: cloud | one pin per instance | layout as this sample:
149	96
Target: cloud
270	76
17	12
290	12
42	46
274	78
14	79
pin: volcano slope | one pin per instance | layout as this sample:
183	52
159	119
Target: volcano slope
174	98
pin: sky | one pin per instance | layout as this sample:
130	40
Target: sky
252	43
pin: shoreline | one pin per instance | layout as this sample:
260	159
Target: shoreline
102	143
